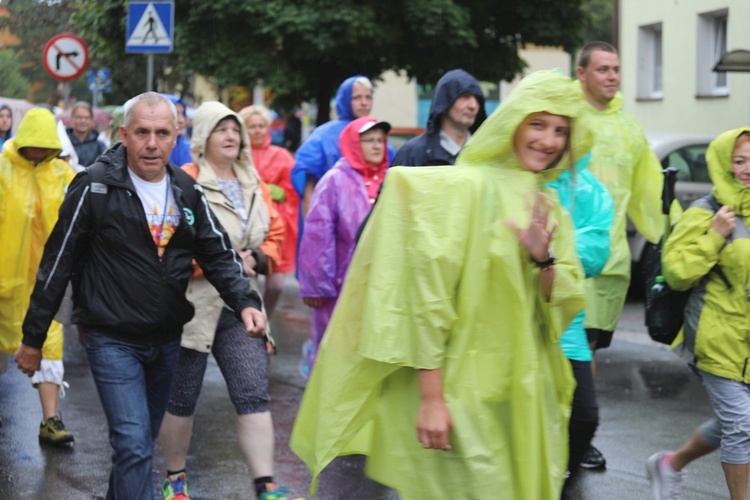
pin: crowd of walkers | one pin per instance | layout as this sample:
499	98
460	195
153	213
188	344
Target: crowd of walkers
456	307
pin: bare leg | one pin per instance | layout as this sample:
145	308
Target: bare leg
174	437
692	449
255	434
274	287
736	476
48	394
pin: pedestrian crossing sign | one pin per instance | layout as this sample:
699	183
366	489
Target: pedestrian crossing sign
150	27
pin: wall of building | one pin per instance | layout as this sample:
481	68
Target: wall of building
685	105
395	100
538	58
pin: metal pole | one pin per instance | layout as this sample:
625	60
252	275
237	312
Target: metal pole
150	73
66	94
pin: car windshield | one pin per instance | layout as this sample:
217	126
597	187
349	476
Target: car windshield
691	162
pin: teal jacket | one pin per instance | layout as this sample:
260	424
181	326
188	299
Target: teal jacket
592	211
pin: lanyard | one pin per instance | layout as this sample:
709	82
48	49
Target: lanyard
157	240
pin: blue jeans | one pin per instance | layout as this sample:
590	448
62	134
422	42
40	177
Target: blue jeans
133	382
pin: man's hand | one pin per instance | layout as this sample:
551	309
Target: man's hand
28	359
314	302
255	322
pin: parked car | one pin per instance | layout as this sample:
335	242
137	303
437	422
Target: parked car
687	152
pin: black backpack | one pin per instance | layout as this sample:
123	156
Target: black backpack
665	307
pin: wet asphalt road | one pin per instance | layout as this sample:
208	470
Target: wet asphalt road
649	400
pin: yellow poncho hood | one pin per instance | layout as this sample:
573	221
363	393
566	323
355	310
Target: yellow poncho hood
38	129
552	94
727	189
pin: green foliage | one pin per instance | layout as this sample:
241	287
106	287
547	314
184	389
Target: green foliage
12	83
34	22
303	49
598	20
103	23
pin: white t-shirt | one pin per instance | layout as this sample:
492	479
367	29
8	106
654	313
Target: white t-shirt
162	213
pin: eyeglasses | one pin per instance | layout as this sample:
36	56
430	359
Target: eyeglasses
372	140
82	117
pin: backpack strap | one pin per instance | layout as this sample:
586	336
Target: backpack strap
188	185
711	199
715	205
99	193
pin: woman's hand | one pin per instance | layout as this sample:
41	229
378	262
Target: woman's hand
248	262
312	301
536	238
434	421
723	221
434	424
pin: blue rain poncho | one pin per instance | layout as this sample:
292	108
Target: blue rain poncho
439	281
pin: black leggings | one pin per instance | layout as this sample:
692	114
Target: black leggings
584	417
243	362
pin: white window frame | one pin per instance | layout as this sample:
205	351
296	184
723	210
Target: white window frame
712	41
650	61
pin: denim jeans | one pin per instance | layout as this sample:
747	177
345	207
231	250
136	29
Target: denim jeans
133	382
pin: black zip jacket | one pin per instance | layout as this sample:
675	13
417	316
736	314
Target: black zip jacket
121	288
87	150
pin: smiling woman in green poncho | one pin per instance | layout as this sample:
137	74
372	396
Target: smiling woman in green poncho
441	360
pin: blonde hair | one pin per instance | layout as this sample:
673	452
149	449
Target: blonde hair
256	109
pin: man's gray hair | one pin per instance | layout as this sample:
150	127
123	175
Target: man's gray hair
151	99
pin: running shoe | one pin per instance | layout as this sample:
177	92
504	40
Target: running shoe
665	481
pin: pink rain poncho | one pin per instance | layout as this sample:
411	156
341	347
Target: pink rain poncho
341	200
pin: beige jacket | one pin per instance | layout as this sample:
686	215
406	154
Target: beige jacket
198	334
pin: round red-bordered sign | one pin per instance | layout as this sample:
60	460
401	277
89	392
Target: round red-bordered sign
65	57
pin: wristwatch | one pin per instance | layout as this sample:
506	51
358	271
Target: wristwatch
545	264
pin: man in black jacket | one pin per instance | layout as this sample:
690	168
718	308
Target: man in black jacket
128	231
457	110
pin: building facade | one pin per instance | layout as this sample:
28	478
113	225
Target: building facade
667	54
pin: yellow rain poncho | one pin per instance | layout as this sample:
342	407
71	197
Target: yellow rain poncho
30	197
623	161
439	280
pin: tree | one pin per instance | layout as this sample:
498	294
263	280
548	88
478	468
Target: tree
104	23
35	22
303	49
598	20
12	83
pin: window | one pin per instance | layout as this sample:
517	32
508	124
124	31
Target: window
650	83
713	42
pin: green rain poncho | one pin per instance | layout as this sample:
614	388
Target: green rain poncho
623	161
439	280
30	197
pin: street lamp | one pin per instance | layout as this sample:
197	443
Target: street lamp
735	60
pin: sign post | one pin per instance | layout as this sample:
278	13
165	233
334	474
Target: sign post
65	57
150	30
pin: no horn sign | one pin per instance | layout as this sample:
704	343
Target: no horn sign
65	57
